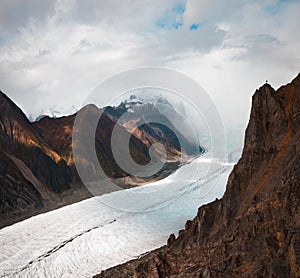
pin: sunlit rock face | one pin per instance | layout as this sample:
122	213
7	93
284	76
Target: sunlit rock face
254	230
32	173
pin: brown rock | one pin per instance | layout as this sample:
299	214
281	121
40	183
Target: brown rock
254	230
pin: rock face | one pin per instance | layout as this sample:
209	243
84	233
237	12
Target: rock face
31	173
37	171
19	138
254	230
57	132
154	127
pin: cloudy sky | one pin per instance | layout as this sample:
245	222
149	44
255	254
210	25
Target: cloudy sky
53	53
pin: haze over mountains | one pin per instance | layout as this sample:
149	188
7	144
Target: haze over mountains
37	171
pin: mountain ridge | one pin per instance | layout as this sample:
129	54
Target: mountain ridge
40	154
254	230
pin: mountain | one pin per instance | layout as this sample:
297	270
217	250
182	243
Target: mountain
254	230
57	132
150	122
31	173
20	139
37	171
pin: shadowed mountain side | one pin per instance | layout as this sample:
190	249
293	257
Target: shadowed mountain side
20	138
57	132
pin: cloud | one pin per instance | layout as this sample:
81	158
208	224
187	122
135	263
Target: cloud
15	14
53	53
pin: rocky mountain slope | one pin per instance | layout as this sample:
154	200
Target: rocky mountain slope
57	132
19	138
154	124
32	174
37	171
254	230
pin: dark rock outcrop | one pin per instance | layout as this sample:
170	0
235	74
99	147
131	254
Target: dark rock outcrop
254	230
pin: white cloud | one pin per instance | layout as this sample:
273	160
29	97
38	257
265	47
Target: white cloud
56	52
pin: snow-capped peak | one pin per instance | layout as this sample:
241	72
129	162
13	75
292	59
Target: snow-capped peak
132	101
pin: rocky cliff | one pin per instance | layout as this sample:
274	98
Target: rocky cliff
31	172
254	230
19	138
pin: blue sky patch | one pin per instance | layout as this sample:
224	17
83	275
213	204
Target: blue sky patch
179	8
194	26
1	41
276	8
172	18
161	23
177	25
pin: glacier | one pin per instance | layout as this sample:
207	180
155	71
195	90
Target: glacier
87	237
